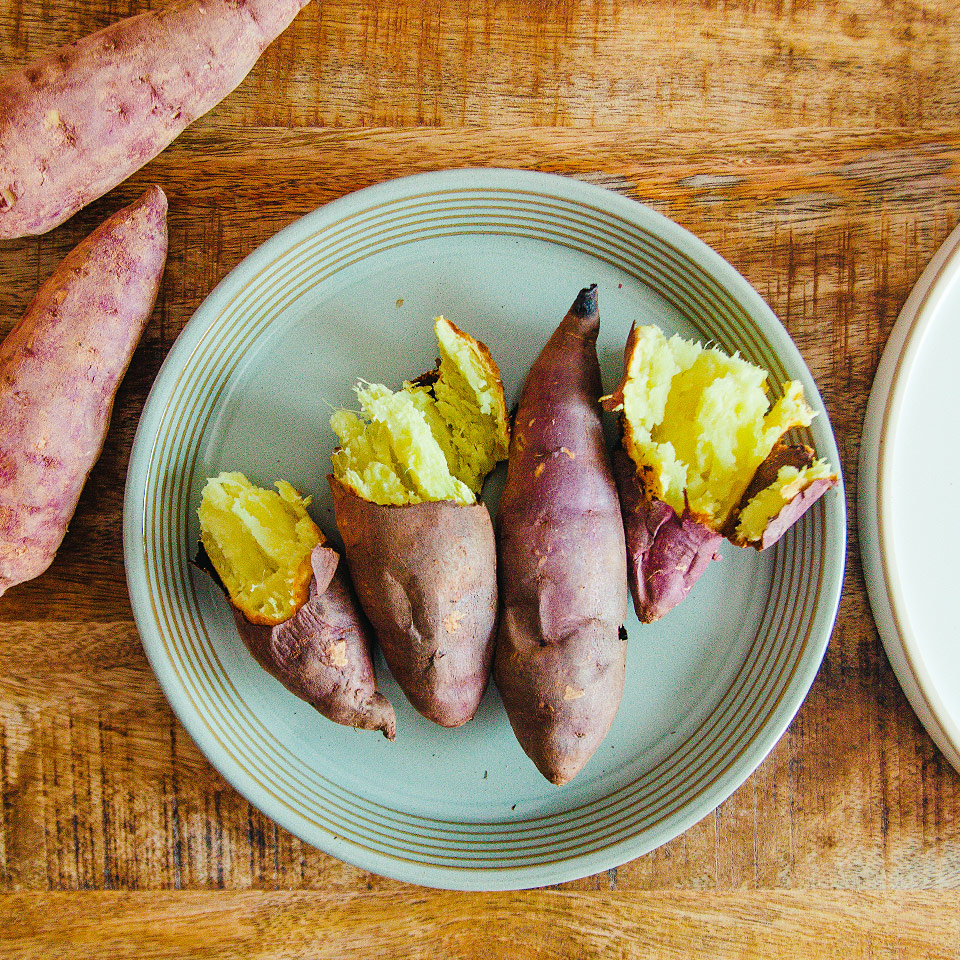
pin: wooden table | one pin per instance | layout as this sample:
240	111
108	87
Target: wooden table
816	145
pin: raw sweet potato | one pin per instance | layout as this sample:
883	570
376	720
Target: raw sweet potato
420	547
293	606
60	368
703	459
82	119
561	652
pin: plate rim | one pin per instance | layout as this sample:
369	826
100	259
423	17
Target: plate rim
881	422
712	263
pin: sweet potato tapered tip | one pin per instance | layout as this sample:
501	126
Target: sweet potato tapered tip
586	303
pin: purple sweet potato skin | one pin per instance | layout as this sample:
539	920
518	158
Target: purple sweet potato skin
426	576
82	119
666	553
60	368
322	654
560	657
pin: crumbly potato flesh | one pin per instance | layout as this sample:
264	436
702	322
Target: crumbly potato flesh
699	422
434	439
259	542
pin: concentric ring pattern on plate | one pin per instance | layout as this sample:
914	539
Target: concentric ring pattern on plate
699	771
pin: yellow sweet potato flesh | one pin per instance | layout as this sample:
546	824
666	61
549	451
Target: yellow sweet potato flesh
699	422
259	542
429	441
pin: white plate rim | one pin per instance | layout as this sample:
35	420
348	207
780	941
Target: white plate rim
874	502
718	268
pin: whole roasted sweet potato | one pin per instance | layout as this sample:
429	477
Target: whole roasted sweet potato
82	119
293	606
60	368
703	459
560	655
419	545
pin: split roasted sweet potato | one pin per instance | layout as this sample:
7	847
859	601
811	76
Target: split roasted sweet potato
703	459
561	652
85	117
293	606
60	368
420	547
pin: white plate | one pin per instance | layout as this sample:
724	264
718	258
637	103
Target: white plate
350	291
907	493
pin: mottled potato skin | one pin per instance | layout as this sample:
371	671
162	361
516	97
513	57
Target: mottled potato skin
560	656
426	576
322	654
666	553
82	119
60	368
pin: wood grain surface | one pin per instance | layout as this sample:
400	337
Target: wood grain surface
541	925
815	144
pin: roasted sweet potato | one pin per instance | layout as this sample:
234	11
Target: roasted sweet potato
667	552
426	576
60	368
293	606
703	459
788	482
82	119
419	545
561	651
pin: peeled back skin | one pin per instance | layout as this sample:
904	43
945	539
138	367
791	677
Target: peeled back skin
702	459
560	658
60	369
784	487
292	604
420	547
426	576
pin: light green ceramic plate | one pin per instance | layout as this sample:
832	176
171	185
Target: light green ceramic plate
351	291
